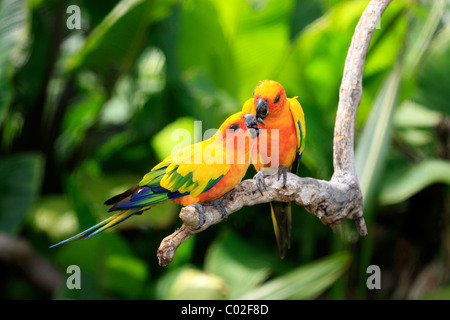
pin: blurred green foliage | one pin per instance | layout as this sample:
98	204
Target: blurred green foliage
84	114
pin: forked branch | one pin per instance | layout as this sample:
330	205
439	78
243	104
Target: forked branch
330	201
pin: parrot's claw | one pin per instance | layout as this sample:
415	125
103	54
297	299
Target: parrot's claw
260	181
219	206
201	214
283	170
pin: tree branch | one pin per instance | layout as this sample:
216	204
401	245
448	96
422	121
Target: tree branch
330	201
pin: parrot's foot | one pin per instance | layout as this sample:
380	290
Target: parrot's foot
219	206
260	181
283	170
201	214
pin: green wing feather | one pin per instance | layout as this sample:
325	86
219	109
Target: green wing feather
174	177
181	172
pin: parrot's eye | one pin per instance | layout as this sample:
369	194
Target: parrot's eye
276	99
234	127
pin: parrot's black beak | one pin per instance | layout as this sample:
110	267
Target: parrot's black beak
252	124
262	109
261	121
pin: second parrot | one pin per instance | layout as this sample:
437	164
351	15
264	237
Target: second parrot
283	138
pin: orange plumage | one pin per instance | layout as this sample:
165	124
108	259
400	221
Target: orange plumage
279	145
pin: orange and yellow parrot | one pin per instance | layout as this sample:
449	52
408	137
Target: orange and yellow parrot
199	173
271	106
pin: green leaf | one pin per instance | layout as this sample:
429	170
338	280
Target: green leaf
187	283
21	177
433	76
372	145
109	261
411	114
13	35
260	42
402	183
371	153
427	58
55	216
176	135
118	38
239	32
199	28
239	263
423	33
125	271
305	282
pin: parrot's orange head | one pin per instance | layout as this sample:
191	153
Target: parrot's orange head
269	98
238	124
237	134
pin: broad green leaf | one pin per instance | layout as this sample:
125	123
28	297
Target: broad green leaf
239	263
208	98
55	216
412	114
187	283
202	43
166	281
371	152
82	207
176	135
79	118
125	271
261	42
108	260
20	177
433	77
401	184
424	36
117	40
427	59
372	146
304	13
14	24
237	43
305	282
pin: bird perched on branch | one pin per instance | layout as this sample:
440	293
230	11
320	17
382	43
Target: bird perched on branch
279	146
199	173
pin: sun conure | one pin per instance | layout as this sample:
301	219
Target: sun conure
199	173
270	104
